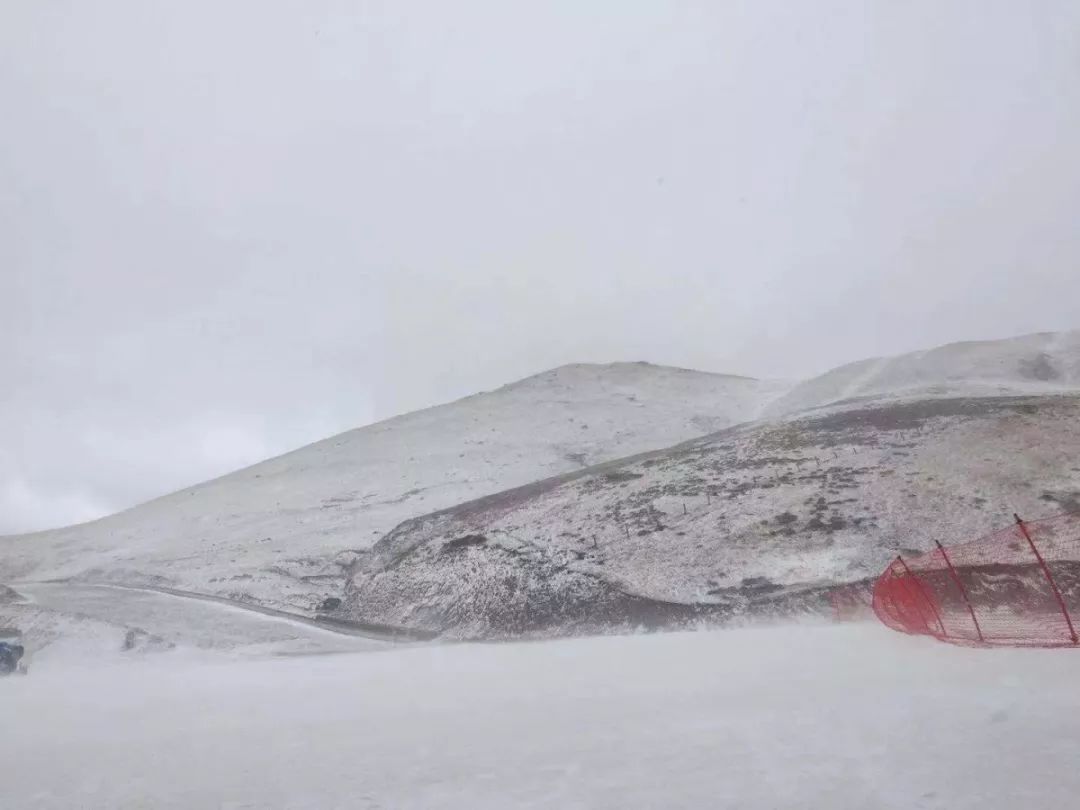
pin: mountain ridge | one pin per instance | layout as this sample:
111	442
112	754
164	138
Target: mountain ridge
305	527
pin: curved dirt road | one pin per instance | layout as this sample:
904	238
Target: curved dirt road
190	620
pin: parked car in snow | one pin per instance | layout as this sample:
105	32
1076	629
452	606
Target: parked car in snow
11	653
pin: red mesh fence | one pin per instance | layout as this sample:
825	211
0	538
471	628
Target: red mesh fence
1015	588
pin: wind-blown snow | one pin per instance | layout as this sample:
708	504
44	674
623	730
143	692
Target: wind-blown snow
1044	363
810	717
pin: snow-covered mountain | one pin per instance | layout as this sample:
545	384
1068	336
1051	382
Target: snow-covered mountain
756	517
591	497
1048	362
271	531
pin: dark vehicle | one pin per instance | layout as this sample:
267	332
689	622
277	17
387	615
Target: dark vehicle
10	656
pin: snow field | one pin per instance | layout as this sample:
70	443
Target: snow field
798	716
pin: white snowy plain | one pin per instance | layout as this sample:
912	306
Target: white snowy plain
795	716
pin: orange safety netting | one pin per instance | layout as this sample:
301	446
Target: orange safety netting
1015	588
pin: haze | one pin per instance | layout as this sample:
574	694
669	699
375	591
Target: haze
230	229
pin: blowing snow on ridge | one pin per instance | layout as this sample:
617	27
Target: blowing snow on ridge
592	498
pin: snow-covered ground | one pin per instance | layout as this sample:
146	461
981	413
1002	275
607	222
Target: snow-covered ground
66	626
60	620
1043	363
828	717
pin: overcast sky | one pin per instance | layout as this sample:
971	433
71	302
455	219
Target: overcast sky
228	229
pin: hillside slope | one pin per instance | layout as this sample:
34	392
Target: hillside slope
749	516
1048	362
490	515
270	532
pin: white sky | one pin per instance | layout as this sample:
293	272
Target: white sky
227	229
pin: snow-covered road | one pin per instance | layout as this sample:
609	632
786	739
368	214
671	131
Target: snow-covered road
187	621
829	717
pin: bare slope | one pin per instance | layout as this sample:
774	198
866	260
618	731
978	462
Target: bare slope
270	532
745	519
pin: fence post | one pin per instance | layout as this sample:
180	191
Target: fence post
925	596
963	591
1049	578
